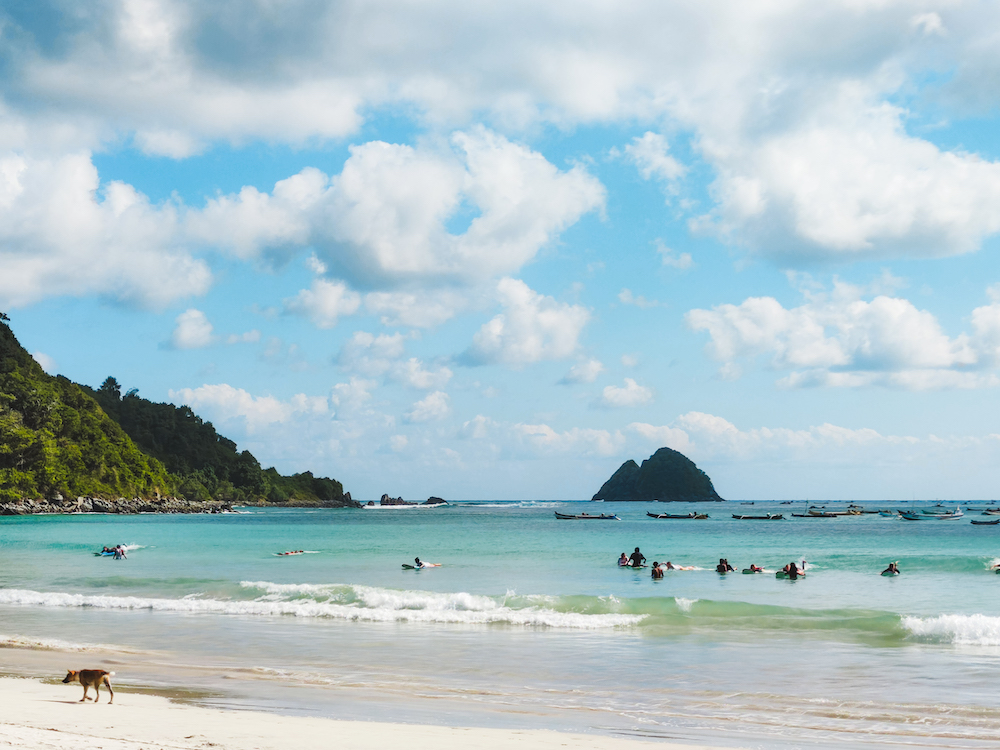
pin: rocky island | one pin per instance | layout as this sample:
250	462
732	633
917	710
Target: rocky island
666	476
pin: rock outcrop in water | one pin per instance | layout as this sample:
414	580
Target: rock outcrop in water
667	476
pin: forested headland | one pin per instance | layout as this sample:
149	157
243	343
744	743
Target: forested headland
64	446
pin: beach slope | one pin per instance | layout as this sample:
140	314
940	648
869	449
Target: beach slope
49	717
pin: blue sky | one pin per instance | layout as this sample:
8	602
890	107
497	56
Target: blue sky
493	250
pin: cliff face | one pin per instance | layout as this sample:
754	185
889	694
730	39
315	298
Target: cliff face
667	476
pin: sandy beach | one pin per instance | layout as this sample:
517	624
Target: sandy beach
40	715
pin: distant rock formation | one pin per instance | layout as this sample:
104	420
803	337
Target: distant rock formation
386	500
667	476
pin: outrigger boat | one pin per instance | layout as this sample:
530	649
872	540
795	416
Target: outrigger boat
815	514
586	517
994	522
768	517
925	516
678	516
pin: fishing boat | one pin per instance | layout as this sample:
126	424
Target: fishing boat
586	517
768	517
685	516
815	514
912	516
994	522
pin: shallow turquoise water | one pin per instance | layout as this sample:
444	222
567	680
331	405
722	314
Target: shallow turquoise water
530	621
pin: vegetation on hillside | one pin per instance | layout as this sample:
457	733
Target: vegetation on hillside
60	438
56	440
208	465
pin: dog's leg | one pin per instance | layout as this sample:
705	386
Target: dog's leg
107	682
97	691
84	694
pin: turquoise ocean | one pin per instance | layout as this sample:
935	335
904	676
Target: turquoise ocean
529	622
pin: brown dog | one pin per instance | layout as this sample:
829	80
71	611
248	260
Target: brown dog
91	678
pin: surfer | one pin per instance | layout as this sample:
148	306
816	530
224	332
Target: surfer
892	570
724	566
417	563
623	561
657	571
756	568
637	558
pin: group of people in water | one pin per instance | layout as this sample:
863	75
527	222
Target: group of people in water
791	571
117	552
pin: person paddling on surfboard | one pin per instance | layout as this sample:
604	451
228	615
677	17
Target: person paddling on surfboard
892	570
637	558
657	570
623	560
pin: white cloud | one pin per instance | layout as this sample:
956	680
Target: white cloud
324	302
424	310
192	330
383	220
477	428
249	337
630	395
46	362
649	153
223	402
63	233
383	356
531	328
583	372
413	373
626	297
839	339
544	439
371	355
434	407
681	262
398	443
629	360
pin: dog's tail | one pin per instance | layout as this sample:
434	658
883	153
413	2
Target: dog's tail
111	674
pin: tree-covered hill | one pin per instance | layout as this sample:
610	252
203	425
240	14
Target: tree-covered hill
207	464
58	438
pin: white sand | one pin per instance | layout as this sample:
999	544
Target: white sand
38	715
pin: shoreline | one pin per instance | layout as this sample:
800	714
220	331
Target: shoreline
48	716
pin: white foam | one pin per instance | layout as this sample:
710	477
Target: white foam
54	644
969	630
684	605
341	602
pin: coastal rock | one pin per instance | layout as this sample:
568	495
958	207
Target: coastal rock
667	476
122	505
386	500
432	500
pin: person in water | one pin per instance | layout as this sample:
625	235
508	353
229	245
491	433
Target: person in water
637	558
793	571
756	568
657	572
724	566
892	570
623	560
417	563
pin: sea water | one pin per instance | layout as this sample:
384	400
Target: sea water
529	621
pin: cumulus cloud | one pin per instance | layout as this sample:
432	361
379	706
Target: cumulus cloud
192	330
649	153
383	220
383	356
583	372
626	297
544	439
223	402
249	337
63	233
324	302
435	406
531	328
840	339
630	395
681	262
